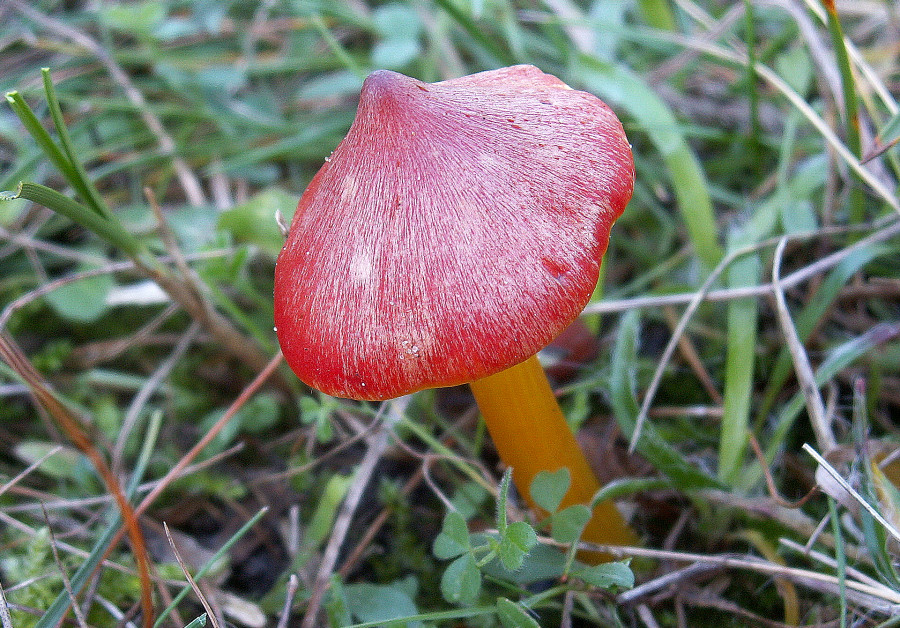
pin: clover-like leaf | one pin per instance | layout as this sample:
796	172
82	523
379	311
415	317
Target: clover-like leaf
513	615
453	539
607	575
515	544
461	582
503	495
567	524
548	488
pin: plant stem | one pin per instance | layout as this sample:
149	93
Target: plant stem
531	435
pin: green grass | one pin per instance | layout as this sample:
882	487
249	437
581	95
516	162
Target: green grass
155	152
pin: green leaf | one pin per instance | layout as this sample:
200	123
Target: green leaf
260	413
798	216
542	563
607	575
395	54
134	17
566	525
336	606
515	544
549	487
461	582
82	301
254	221
796	68
468	498
60	465
513	615
453	539
501	500
396	20
374	602
194	227
323	518
740	357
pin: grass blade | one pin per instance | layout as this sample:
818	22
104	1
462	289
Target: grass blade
739	370
107	228
628	91
79	179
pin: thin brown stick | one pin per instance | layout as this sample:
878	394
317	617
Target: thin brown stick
213	619
67	583
34	465
802	368
201	444
770	481
689	353
353	558
5	617
885	232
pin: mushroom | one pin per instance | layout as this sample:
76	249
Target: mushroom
454	232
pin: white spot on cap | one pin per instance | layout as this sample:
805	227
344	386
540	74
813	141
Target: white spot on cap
361	267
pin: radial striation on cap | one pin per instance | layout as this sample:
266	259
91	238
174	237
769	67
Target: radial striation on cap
454	232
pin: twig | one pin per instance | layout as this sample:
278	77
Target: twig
736	562
77	434
106	350
14	523
34	465
647	617
67	583
106	499
696	299
705	294
795	278
690	355
111	267
213	619
828	560
673	577
568	604
846	486
291	590
25	241
805	376
189	182
5	618
186	459
770	481
186	290
354	556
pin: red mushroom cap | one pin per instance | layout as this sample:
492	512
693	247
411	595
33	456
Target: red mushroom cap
454	232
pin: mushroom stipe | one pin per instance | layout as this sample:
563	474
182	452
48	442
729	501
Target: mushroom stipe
454	232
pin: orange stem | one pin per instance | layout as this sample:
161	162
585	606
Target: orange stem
531	435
